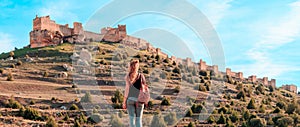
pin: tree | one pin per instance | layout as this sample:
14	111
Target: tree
222	119
251	104
257	122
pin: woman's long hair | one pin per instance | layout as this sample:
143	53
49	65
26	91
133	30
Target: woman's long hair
133	70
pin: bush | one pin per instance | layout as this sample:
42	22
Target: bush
45	74
150	104
86	98
189	113
19	63
116	121
177	89
76	123
262	108
211	119
10	77
146	71
222	119
31	114
291	108
285	121
203	73
95	118
241	95
12	66
281	105
234	117
12	103
166	101
66	118
176	70
191	124
196	108
1	70
251	104
117	97
257	122
158	121
202	88
32	102
277	110
74	107
170	118
51	122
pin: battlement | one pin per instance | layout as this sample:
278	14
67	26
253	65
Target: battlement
291	88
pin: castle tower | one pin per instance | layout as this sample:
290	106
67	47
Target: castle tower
202	65
228	71
239	75
122	31
78	29
265	81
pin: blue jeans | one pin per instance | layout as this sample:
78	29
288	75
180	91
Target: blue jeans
135	111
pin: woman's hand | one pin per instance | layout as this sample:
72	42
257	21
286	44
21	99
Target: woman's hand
124	106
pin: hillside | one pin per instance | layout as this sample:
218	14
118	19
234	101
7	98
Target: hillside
51	82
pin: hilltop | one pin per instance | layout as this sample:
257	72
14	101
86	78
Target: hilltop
49	81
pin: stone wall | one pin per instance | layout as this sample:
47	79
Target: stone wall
291	88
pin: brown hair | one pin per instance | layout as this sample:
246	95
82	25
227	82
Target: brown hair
133	70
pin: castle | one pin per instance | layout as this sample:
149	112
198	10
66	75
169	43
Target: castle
47	33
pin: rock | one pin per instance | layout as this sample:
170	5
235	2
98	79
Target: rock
85	55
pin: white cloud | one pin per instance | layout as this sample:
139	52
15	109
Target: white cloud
215	10
6	41
285	31
61	11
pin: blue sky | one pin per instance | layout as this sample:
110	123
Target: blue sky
258	37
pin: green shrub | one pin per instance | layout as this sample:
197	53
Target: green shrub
150	104
45	74
222	119
241	95
257	122
291	108
166	101
211	119
262	108
95	118
12	103
12	66
66	118
189	113
76	123
177	89
196	108
31	114
251	104
10	77
51	122
19	63
1	70
277	110
170	118
234	117
202	88
116	121
285	121
86	98
32	102
281	105
191	124
158	121
117	97
74	107
176	70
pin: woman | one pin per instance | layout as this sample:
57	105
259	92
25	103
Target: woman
133	84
